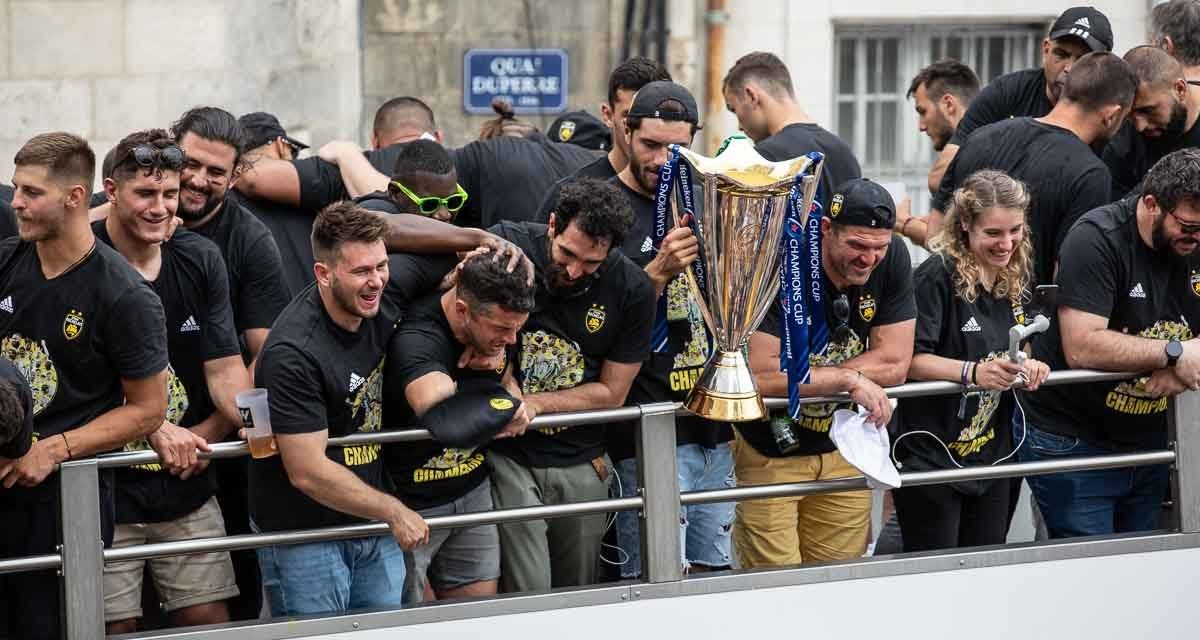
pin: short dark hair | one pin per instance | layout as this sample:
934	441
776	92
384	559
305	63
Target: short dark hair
343	222
124	164
403	111
1153	66
633	123
421	156
597	207
1175	179
214	124
1178	20
633	74
484	281
67	156
12	412
946	76
1100	79
764	68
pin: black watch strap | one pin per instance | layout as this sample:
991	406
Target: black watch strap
1174	351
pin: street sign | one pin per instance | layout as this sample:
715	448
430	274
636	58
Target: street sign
532	80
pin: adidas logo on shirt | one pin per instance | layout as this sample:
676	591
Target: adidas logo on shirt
1084	22
971	326
647	245
6	304
1137	291
189	325
356	381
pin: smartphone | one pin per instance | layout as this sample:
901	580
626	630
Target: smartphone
1045	297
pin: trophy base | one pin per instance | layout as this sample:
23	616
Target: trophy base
726	392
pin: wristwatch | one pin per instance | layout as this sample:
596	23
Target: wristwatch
1174	351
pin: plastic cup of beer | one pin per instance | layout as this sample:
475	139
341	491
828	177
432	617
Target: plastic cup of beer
256	419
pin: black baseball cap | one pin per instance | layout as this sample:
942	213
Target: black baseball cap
863	203
582	129
650	97
262	127
1087	24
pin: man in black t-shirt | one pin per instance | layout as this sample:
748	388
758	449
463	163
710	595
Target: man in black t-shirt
867	289
16	413
758	90
477	320
662	114
1052	155
623	82
1128	300
1164	118
87	333
322	367
1031	93
580	350
204	376
424	181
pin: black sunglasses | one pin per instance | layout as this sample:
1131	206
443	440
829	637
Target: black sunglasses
841	313
149	156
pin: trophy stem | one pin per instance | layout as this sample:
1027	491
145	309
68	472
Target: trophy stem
726	391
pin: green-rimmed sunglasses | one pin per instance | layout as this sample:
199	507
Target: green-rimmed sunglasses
430	204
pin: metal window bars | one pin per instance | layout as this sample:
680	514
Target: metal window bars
80	559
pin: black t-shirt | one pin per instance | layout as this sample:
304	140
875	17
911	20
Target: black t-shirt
566	341
74	337
951	327
378	201
256	286
1129	156
505	177
600	169
194	291
1020	94
800	138
291	230
8	221
1064	177
21	441
668	376
318	377
886	298
426	473
1107	270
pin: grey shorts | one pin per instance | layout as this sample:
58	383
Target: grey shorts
454	557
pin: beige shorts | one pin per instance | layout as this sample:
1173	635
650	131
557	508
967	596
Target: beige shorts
181	581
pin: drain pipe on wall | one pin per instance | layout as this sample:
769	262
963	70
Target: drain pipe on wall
715	18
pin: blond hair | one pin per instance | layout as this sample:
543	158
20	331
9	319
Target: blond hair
983	190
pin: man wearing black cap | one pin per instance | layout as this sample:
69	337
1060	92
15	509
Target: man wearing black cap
1165	112
1053	155
871	314
427	382
664	113
1033	92
758	90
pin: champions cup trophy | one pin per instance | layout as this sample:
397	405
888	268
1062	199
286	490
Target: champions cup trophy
753	216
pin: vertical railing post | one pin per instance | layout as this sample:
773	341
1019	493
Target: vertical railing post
1183	431
82	551
659	482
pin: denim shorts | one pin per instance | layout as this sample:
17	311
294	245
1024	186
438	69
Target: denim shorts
703	528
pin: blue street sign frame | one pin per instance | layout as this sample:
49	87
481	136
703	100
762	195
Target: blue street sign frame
481	104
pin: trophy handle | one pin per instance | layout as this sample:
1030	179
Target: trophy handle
689	273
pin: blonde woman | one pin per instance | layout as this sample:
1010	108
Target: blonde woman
969	293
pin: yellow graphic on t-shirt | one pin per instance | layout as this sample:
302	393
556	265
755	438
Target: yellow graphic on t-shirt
549	363
1194	280
1131	398
451	463
690	361
32	359
72	324
972	438
177	406
819	417
368	402
594	318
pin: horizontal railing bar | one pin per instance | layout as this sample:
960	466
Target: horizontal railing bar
31	563
919	478
602	416
251	541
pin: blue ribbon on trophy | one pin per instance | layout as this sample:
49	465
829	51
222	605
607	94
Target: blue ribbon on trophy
671	171
804	329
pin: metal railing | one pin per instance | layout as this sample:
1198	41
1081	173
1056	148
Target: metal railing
81	558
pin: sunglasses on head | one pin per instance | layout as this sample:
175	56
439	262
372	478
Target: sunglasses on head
841	313
430	204
149	156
